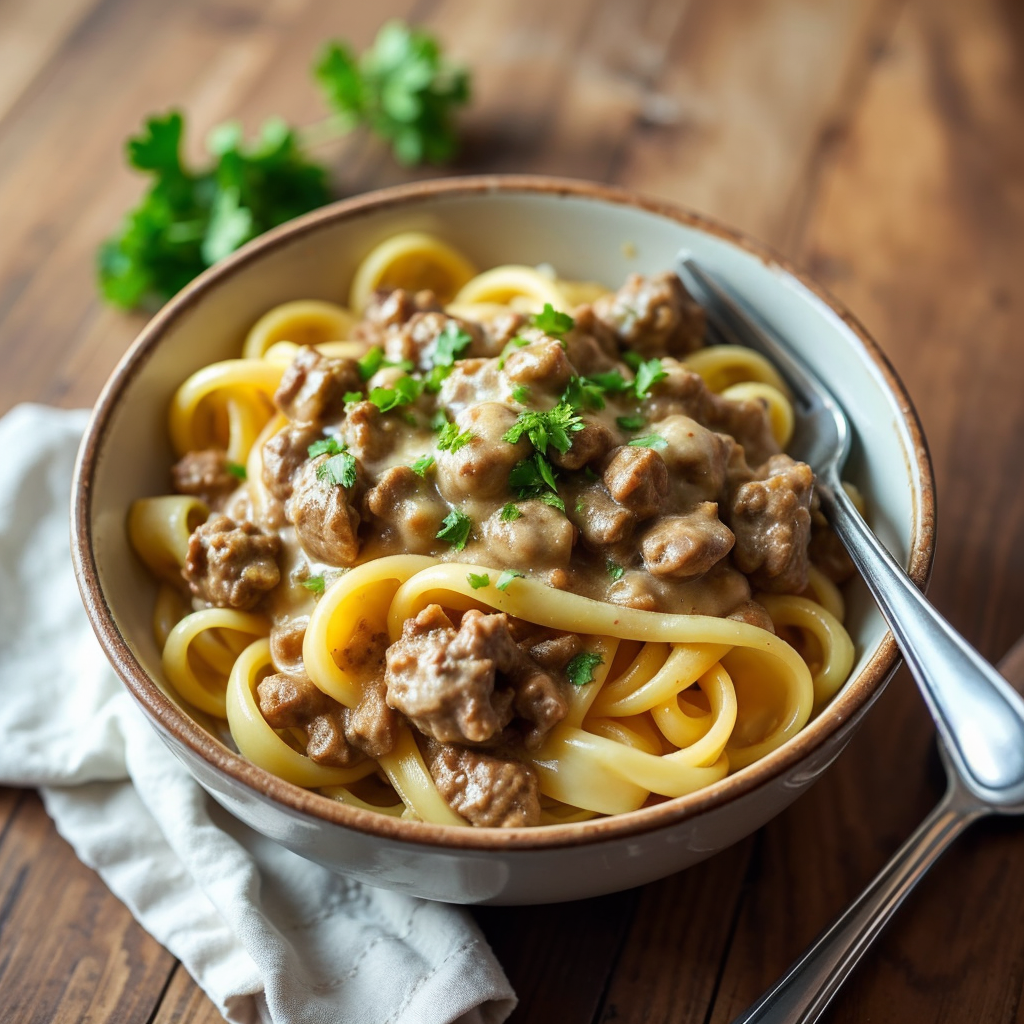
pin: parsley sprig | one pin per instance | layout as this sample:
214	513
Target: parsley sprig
455	529
546	428
551	322
341	469
580	669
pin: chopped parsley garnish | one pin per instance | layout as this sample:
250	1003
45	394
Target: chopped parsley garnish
581	669
630	422
647	374
435	378
551	322
374	359
439	420
236	469
612	382
351	397
552	499
405	391
544	428
531	476
450	344
451	439
339	470
580	507
655	441
325	446
614	570
455	528
632	360
510	513
581	393
521	394
478	580
510	347
507	577
315	584
422	464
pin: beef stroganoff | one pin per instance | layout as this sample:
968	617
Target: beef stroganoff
493	549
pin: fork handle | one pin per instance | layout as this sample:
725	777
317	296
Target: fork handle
803	992
979	716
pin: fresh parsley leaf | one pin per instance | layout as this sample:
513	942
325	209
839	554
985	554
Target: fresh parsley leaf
581	393
439	420
314	583
404	392
547	474
551	322
236	469
552	499
647	374
450	344
456	528
191	217
371	362
507	577
581	669
655	441
630	422
339	470
451	439
632	360
422	464
614	570
478	580
590	474
435	377
510	513
580	507
401	89
325	446
521	394
612	382
544	428
533	478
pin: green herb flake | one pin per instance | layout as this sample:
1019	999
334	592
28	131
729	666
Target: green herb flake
236	469
647	374
655	441
581	669
439	420
510	513
422	465
450	344
451	439
544	428
404	392
370	363
325	446
632	360
455	529
551	322
614	570
507	577
435	378
612	382
552	499
581	393
315	584
580	507
521	394
339	470
352	397
630	422
478	580
510	347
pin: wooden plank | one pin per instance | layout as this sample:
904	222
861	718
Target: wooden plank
919	227
68	950
184	1002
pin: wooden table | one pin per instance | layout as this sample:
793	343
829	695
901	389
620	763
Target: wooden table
880	144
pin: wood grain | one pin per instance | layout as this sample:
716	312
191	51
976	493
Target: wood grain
878	142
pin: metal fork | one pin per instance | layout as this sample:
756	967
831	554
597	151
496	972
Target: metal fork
980	718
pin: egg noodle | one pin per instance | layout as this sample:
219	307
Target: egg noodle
677	702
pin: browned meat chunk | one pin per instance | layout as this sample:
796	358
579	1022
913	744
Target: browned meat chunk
406	510
498	333
392	308
635	589
826	549
591	346
552	650
471	381
465	686
283	454
231	565
286	644
480	468
325	517
372	726
686	546
541	537
542	364
293	702
601	520
587	445
696	456
771	518
753	614
637	478
416	340
681	393
314	386
369	434
654	316
205	474
488	791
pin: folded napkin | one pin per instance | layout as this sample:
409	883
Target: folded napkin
268	935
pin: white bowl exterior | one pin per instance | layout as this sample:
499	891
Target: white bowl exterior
583	238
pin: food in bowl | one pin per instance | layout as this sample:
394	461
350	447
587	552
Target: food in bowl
494	548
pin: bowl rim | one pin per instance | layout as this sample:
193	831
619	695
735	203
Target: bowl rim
170	719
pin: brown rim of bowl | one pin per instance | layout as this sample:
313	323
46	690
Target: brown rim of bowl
854	696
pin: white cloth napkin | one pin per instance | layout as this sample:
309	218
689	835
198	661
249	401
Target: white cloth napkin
268	935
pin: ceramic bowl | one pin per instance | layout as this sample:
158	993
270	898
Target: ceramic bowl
589	232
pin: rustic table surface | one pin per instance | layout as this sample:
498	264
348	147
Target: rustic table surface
877	143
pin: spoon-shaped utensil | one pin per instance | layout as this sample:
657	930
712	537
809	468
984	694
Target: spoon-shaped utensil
980	718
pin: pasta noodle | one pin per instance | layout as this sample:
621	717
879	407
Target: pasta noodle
673	686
